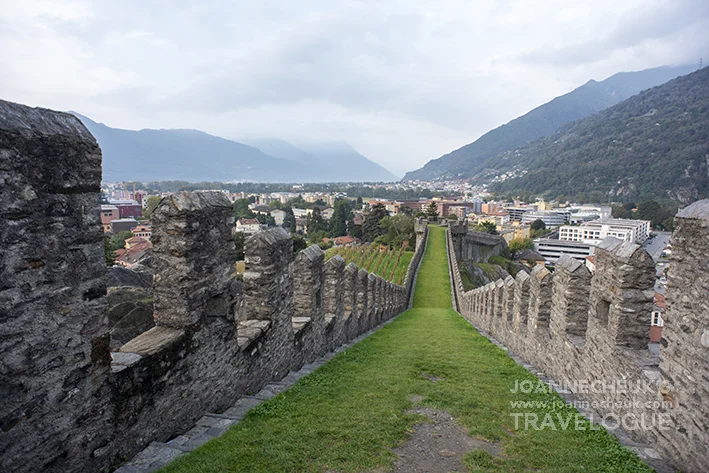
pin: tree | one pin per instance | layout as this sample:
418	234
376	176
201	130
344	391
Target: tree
538	224
408	211
619	211
360	203
289	219
239	240
487	227
650	210
340	218
266	219
520	244
315	222
452	217
356	231
398	229
669	224
299	243
151	205
118	240
108	254
317	237
298	202
275	204
371	228
432	210
241	209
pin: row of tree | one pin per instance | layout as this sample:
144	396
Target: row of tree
660	213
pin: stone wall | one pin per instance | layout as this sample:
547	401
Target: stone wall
54	343
590	332
474	246
68	403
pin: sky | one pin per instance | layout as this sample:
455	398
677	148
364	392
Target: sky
402	81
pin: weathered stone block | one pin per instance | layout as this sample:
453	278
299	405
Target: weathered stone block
194	258
54	357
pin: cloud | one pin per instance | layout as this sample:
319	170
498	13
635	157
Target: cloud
402	82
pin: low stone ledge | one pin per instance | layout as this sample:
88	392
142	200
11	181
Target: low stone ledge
155	456
299	323
330	321
153	341
249	331
121	361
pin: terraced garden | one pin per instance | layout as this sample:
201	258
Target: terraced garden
378	259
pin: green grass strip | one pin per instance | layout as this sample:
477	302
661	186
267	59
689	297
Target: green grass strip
346	416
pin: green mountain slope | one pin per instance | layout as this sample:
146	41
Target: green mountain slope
544	120
655	144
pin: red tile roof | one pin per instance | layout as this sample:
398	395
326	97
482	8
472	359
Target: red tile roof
660	301
344	240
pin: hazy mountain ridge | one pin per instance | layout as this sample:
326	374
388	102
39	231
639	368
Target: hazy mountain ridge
342	161
590	98
652	145
192	155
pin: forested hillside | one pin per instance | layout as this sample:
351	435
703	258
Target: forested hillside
652	145
592	97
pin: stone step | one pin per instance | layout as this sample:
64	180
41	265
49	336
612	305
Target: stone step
292	377
241	407
154	456
278	387
264	395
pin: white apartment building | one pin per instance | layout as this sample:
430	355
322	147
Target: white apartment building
551	218
594	232
552	250
516	213
300	213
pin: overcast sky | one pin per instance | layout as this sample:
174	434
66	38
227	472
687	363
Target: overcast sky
402	81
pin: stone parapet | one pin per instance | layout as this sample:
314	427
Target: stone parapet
594	328
68	403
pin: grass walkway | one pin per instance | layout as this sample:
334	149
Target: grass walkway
347	415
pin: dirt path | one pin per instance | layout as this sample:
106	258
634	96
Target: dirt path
438	446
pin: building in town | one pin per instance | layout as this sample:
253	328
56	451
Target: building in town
552	250
593	232
128	208
108	214
514	232
142	231
248	226
551	218
278	215
516	213
498	218
123	224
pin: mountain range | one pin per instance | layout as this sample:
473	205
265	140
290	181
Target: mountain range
471	160
652	145
192	155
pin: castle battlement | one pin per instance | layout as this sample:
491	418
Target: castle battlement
68	403
582	328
